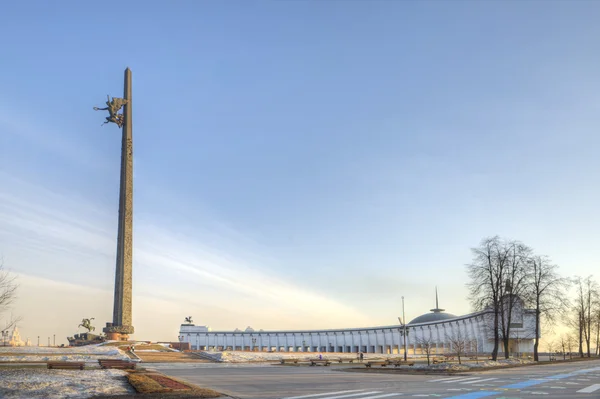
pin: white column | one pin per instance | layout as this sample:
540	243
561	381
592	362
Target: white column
335	338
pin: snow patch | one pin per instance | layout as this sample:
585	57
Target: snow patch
88	353
57	384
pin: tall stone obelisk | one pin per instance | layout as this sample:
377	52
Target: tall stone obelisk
121	326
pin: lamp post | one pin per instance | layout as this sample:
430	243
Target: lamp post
38	340
54	340
303	346
253	343
404	327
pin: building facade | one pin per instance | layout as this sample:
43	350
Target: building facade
438	330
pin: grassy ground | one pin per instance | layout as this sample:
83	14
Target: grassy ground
145	385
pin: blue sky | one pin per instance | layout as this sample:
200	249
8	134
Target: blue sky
297	163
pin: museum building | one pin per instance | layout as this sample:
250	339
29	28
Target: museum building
436	329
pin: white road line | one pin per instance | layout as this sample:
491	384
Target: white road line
459	380
478	381
382	396
351	395
590	389
447	379
322	394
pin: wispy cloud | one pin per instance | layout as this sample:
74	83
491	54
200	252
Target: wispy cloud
40	227
18	123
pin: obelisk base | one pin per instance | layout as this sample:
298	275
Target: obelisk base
117	333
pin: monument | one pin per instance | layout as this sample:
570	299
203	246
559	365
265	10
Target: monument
86	338
121	325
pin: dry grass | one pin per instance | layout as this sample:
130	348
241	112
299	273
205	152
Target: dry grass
168	357
144	384
147	386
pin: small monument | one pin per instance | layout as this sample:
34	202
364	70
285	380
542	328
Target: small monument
121	325
85	338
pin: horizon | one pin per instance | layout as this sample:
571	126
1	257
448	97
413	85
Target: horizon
289	170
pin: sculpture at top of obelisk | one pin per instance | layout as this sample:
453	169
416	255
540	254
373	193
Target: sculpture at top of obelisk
121	326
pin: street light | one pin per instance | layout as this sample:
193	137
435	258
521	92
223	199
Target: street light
404	328
303	346
253	343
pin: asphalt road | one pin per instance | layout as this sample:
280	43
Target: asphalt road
554	381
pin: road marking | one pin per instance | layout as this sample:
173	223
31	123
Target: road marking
478	381
475	395
461	379
382	396
322	394
446	379
352	394
590	389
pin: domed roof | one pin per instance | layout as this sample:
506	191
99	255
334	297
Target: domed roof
436	315
429	317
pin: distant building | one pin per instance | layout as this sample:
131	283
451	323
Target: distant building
438	327
15	338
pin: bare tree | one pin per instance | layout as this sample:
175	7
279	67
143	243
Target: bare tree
427	346
486	273
458	342
514	288
498	278
8	289
547	293
564	345
570	343
586	301
8	293
550	346
475	346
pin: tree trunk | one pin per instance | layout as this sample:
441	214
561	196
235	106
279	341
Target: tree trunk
588	337
581	336
505	342
496	337
597	338
536	344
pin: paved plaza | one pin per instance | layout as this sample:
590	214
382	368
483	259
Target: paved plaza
552	381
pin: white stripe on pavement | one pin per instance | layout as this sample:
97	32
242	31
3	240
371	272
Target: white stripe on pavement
447	379
590	389
352	394
478	381
387	395
322	394
462	379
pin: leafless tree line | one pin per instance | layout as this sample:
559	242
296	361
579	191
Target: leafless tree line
459	343
8	293
506	275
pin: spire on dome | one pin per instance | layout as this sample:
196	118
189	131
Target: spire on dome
437	306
